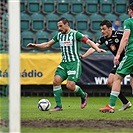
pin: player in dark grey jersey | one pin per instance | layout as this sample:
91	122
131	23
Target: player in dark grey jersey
111	39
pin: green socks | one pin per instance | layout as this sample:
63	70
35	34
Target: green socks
57	95
79	91
113	98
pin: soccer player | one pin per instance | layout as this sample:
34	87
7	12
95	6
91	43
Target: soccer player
70	66
126	65
111	38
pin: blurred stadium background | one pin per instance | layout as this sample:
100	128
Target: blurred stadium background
39	24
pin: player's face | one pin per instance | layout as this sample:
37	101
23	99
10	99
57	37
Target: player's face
106	31
63	28
130	12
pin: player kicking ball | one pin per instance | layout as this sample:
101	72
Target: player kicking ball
70	66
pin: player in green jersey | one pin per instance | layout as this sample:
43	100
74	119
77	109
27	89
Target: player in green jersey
126	65
70	66
111	38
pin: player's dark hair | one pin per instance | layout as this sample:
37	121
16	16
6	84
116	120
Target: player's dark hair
107	23
130	6
64	20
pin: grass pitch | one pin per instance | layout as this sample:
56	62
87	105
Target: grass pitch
71	111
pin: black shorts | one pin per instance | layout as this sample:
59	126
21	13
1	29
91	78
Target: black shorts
113	71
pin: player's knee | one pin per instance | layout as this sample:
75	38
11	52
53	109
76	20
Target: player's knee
109	84
56	83
70	86
131	84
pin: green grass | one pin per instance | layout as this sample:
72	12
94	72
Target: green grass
79	130
72	111
71	106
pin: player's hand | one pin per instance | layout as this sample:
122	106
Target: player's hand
116	59
81	55
31	45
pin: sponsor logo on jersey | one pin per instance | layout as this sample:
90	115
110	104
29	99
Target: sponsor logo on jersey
66	43
113	48
116	40
71	72
106	42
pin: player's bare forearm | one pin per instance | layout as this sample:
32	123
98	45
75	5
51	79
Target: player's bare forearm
123	42
42	45
89	52
94	46
122	46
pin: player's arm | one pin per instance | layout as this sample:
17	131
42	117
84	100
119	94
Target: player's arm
92	44
123	44
42	45
89	51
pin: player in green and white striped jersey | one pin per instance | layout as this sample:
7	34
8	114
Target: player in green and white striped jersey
70	66
69	44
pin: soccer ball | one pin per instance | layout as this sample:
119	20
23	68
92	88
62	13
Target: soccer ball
44	105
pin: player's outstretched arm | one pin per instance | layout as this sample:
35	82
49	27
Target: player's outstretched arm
42	45
94	46
89	52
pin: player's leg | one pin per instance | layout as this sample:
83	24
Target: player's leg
131	83
126	103
72	86
57	90
77	89
74	73
110	80
124	69
113	95
60	75
115	89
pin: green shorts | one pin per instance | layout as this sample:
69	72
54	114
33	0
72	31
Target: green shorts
126	66
69	70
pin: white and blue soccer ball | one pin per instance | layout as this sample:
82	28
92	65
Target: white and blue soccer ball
44	105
